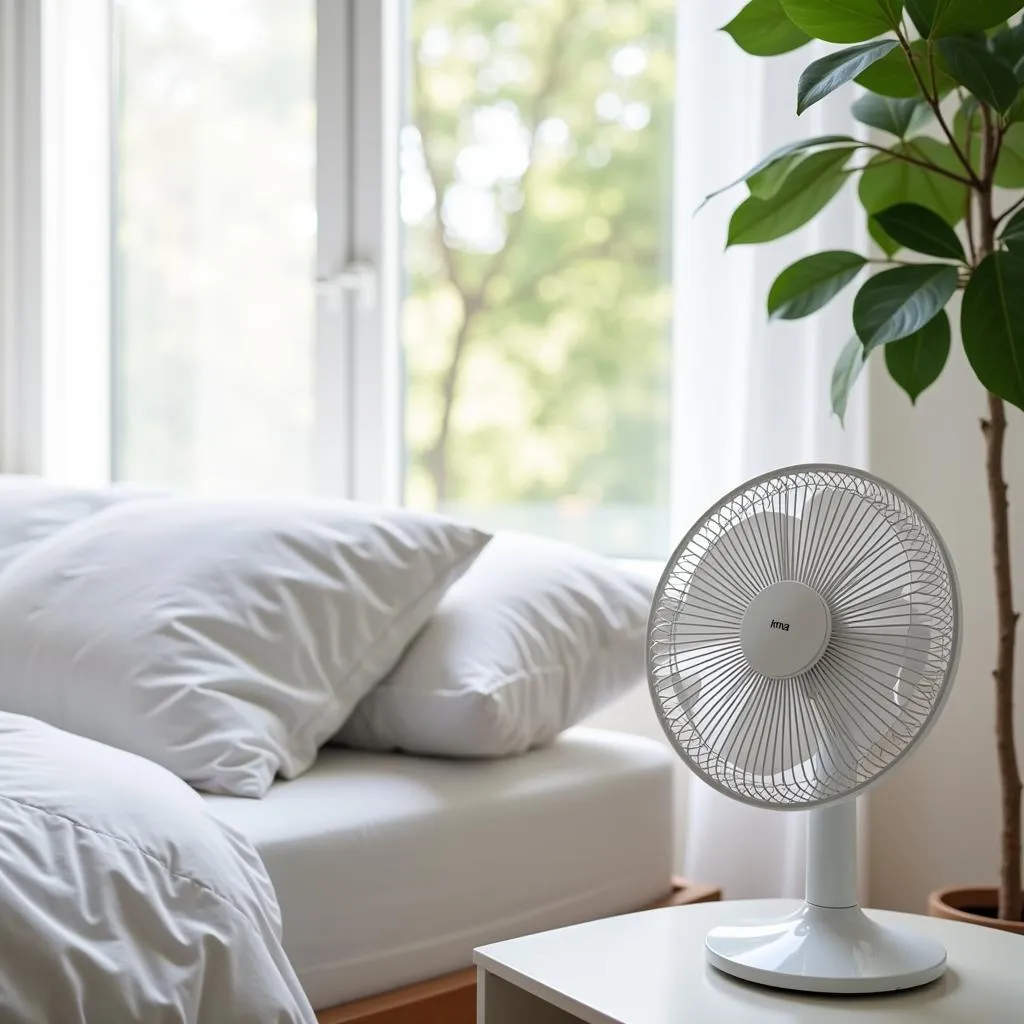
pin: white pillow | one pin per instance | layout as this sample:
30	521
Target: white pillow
32	509
124	899
537	636
225	640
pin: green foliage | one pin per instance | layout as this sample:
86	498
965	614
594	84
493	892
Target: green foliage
935	18
827	74
1012	235
763	30
899	117
915	362
889	179
804	193
982	73
779	158
894	75
807	285
896	303
944	80
918	228
843	21
845	374
992	325
1010	168
765	183
1008	45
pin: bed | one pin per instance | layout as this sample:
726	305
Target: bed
390	869
205	700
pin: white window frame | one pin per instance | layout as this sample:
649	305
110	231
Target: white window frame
20	236
357	435
57	253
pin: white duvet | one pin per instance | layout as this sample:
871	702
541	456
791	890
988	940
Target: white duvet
123	900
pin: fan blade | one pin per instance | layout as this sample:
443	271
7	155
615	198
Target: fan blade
850	549
880	663
749	555
917	661
762	733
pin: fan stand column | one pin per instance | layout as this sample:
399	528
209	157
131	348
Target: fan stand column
832	855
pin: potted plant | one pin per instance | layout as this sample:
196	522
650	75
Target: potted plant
940	175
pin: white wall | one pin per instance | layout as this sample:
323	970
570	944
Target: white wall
935	820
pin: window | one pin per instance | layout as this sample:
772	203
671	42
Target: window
215	244
415	252
535	197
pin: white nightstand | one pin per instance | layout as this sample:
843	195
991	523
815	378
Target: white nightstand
649	968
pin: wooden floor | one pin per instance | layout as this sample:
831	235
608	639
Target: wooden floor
451	999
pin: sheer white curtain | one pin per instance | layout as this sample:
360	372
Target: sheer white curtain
751	397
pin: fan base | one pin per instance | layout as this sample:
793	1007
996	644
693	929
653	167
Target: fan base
830	950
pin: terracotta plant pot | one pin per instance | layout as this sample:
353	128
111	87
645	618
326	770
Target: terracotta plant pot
973	906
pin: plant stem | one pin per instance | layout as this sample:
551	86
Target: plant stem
1010	209
931	98
917	161
994	430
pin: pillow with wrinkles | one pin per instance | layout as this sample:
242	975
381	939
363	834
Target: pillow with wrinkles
224	640
32	509
537	636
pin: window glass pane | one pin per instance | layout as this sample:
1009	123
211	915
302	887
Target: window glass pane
535	191
215	234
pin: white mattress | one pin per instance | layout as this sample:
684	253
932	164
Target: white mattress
390	869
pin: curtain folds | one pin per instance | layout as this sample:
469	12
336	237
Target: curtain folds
751	397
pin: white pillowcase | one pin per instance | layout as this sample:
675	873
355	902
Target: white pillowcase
537	636
225	640
32	509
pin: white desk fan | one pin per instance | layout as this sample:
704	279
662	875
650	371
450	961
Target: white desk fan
803	638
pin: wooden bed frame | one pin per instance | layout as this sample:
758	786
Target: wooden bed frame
451	999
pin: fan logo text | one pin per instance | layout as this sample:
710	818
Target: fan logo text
779	625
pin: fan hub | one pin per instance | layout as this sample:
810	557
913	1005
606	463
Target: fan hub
785	630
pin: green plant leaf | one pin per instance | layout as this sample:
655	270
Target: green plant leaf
886	182
807	285
1012	234
882	240
828	73
845	374
895	303
766	183
1008	45
992	325
844	21
985	75
916	361
899	117
918	228
892	75
763	29
1010	167
806	190
937	18
818	142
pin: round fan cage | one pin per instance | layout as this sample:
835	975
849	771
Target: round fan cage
889	586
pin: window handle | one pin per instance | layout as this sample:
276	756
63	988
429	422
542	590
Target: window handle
359	277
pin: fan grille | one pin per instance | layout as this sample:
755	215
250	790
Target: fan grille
890	586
